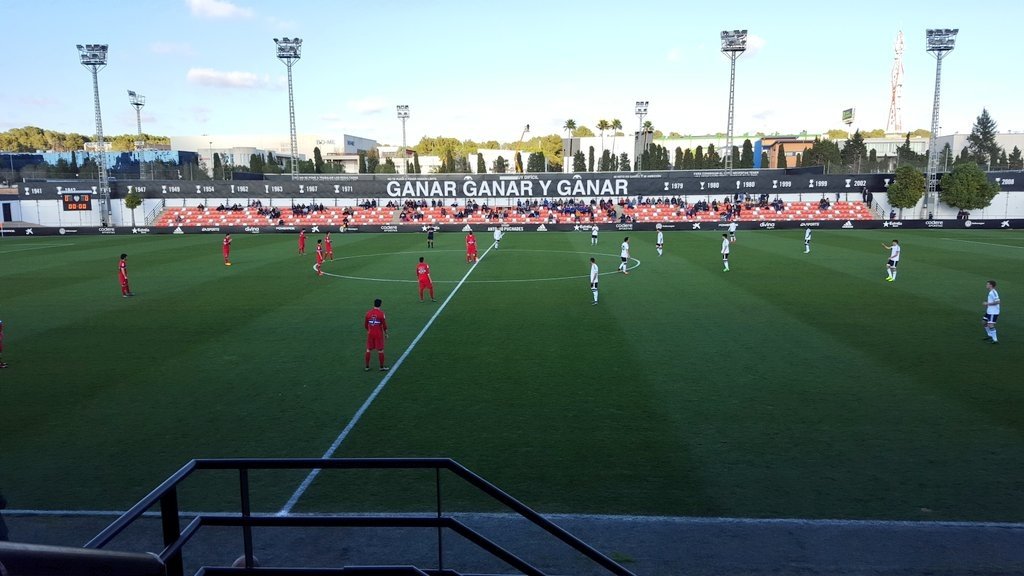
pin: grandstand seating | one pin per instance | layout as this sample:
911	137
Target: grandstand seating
335	216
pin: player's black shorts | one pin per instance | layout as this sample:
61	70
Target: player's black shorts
990	318
624	259
893	263
593	285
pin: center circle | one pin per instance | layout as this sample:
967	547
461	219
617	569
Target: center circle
634	263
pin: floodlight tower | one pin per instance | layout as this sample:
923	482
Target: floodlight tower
940	42
137	101
94	57
289	50
641	111
734	44
403	115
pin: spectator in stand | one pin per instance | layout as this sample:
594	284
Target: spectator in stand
892	214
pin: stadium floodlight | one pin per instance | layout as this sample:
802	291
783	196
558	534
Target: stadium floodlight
943	39
403	115
939	42
734	44
734	41
641	111
137	101
289	50
94	58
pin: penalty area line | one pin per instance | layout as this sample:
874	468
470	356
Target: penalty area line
287	508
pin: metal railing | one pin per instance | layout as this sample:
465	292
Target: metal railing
37	560
175	538
153	214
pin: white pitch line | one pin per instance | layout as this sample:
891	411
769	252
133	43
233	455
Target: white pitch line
37	247
985	243
376	392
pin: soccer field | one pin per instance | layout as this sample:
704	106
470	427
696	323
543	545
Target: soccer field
794	385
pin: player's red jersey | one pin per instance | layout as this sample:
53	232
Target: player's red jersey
423	273
471	244
327	246
302	241
227	245
319	259
375	325
375	321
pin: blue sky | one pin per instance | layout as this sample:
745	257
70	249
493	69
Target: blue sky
481	70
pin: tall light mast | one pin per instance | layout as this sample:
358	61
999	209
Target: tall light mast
289	50
895	122
94	58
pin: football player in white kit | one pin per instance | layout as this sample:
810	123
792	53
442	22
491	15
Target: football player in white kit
624	254
725	252
991	305
894	260
593	279
660	244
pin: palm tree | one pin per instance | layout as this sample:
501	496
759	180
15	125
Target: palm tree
616	126
647	128
570	127
603	125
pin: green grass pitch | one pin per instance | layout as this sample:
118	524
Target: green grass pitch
795	385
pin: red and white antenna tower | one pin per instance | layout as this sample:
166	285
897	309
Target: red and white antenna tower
895	123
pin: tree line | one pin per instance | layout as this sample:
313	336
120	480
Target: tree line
544	154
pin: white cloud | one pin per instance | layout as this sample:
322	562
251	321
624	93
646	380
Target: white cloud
183	49
217	9
754	44
369	105
223	79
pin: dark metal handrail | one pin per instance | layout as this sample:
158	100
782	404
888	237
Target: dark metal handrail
175	538
18	559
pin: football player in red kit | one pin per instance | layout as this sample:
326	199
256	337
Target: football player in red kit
376	332
122	275
470	247
226	249
426	283
319	258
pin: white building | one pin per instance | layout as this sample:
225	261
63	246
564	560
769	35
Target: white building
237	148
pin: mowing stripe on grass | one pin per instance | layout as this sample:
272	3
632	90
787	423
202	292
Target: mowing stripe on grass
376	391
